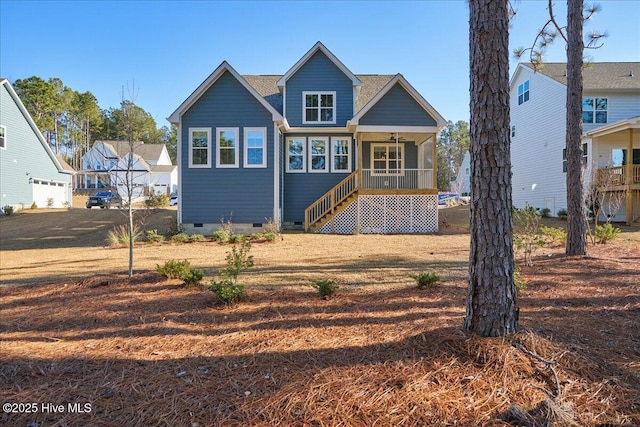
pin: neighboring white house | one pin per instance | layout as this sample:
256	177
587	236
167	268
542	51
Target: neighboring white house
106	164
611	126
462	184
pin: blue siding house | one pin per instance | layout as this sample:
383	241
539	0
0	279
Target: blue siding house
317	148
29	171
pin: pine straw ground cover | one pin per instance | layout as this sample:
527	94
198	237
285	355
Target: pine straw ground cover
148	352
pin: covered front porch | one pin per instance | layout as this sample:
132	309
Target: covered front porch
616	160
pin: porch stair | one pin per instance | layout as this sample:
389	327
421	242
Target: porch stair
331	203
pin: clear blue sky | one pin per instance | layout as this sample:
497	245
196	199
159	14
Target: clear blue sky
169	47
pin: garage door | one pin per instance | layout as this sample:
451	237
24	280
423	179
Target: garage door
49	194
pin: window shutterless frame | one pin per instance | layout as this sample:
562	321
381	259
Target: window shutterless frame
255	147
319	107
296	154
199	147
227	148
341	154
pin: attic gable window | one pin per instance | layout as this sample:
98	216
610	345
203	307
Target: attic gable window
523	93
318	107
3	137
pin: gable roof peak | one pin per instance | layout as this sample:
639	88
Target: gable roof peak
322	48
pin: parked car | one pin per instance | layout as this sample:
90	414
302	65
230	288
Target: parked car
104	199
173	200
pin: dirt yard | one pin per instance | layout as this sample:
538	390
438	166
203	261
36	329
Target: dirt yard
109	351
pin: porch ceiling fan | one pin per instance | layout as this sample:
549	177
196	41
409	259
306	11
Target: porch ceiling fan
392	138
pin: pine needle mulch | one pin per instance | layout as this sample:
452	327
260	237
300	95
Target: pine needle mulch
149	352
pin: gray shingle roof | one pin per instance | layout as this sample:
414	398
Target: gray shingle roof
146	151
266	86
598	75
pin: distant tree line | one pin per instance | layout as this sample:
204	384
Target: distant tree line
72	121
453	144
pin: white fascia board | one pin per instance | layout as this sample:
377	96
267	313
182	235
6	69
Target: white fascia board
320	130
632	123
399	129
399	78
318	46
174	118
34	128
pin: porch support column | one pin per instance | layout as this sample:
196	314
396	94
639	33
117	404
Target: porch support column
434	162
628	178
359	145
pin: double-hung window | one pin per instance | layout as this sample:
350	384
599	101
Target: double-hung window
295	154
523	93
594	110
255	147
387	159
318	107
318	154
199	147
341	154
227	147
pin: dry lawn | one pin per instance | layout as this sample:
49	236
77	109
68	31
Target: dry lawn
382	352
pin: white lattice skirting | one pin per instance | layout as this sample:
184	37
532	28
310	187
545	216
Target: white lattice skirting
403	214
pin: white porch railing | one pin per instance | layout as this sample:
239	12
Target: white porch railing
404	179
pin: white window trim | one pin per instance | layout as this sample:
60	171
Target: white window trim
246	147
333	155
236	164
319	93
4	137
209	142
326	154
304	154
522	85
388	172
594	111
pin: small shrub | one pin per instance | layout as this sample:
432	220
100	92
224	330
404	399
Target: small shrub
159	200
119	236
426	280
192	277
562	214
271	226
226	225
220	236
34	205
555	234
196	238
326	288
257	237
173	269
50	202
545	213
238	260
227	292
270	237
181	238
237	238
7	209
527	236
153	236
606	232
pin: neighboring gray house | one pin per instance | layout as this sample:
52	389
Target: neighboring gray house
318	148
611	138
29	170
106	163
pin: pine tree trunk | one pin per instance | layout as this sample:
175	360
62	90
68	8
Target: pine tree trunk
491	301
576	218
